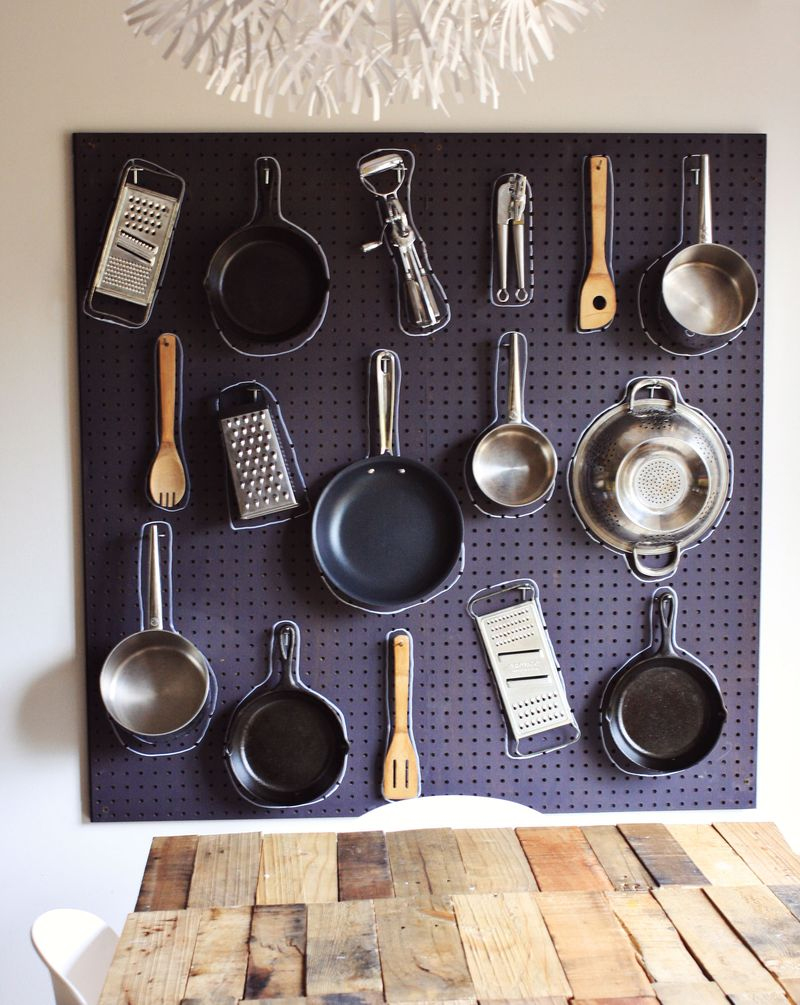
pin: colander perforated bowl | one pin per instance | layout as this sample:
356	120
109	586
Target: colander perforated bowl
650	476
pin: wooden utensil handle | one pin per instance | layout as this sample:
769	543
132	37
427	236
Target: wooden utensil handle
598	171
401	658
167	376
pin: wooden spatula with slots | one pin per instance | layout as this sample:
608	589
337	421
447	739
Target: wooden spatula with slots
167	480
401	767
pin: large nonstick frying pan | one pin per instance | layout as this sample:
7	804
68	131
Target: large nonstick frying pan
286	745
268	283
387	531
663	710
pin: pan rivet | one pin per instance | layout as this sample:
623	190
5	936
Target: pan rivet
370	471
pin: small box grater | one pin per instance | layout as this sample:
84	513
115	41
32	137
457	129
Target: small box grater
526	673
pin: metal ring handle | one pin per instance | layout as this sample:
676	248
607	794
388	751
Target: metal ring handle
651	575
667	384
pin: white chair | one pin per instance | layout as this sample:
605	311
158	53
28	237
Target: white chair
76	947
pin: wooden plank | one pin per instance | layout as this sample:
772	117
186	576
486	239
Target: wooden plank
595	952
618	859
277	952
219	962
298	869
712	855
363	863
524	1001
661	855
716	948
613	1001
509	951
690	994
759	998
152	960
225	870
789	896
494	861
562	859
167	874
765	850
342	949
421	953
365	998
426	862
657	945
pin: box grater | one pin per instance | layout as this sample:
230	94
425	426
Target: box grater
526	673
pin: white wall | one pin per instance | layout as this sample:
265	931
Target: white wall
647	65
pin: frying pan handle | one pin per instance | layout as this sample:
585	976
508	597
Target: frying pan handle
386	392
650	574
286	650
517	365
705	231
665	609
267	206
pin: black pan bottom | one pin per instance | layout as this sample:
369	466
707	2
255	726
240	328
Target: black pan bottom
663	712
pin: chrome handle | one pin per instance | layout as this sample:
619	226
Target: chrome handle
386	377
705	231
155	612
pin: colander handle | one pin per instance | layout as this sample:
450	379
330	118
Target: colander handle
665	384
651	574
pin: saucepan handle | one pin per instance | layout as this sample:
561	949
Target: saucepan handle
517	365
650	574
151	592
705	230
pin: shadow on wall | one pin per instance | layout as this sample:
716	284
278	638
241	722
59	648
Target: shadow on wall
51	710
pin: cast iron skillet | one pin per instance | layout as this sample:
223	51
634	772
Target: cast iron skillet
663	711
286	745
387	532
268	283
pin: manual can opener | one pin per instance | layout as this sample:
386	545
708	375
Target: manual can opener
512	197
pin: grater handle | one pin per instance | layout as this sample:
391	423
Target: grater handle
167	378
401	667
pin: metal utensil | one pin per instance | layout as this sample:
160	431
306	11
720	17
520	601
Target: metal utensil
597	303
510	225
167	479
401	776
513	464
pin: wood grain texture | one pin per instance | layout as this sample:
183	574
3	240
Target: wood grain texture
342	949
562	859
421	953
650	1000
758	998
298	869
712	855
365	998
277	952
524	1001
661	855
363	863
789	896
167	874
765	850
618	859
690	994
595	952
494	861
225	870
509	950
219	962
426	862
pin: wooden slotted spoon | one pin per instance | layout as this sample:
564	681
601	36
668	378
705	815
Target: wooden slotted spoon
401	778
598	297
167	479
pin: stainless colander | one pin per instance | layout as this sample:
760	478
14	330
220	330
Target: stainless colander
650	476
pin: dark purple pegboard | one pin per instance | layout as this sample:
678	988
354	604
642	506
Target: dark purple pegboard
230	587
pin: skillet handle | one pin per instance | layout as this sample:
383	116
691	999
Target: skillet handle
267	205
665	607
650	574
286	645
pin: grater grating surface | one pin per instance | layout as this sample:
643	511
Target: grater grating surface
257	465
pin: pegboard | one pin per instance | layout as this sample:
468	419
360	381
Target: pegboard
231	587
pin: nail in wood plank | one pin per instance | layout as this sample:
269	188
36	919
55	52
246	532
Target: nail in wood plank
219	962
712	855
765	850
509	950
562	859
225	870
342	949
656	943
718	949
364	872
426	861
789	896
661	855
597	956
421	953
494	861
618	859
277	952
168	873
690	994
298	869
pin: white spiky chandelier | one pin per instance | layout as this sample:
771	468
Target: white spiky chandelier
330	55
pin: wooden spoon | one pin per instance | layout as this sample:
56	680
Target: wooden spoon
598	297
401	767
167	480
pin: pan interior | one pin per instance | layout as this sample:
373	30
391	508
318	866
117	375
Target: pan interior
662	484
514	464
709	289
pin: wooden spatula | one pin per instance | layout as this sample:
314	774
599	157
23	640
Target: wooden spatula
401	767
598	298
167	481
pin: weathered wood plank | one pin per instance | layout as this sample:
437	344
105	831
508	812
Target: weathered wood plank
342	949
758	998
426	862
509	951
661	855
494	861
276	966
765	850
690	994
712	855
613	1001
225	870
618	859
421	954
522	1001
219	962
789	896
363	862
167	874
597	956
363	998
562	859
298	869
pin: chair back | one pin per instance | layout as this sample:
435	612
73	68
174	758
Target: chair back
76	947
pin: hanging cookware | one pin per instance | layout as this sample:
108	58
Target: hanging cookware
663	711
387	532
650	477
268	283
155	683
286	745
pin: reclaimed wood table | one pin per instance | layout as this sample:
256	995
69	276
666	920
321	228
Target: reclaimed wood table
637	914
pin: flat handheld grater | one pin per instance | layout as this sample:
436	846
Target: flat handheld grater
525	670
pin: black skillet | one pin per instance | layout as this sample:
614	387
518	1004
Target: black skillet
268	283
663	710
286	745
387	531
